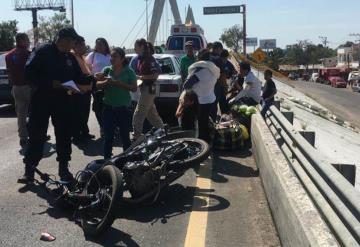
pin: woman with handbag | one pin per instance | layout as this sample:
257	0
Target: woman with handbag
97	61
147	73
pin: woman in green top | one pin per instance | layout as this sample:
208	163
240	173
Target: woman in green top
117	81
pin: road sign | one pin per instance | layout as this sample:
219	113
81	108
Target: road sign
267	44
259	55
219	10
251	41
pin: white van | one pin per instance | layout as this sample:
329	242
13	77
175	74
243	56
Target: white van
180	34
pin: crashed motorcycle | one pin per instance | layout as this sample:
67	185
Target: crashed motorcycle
135	176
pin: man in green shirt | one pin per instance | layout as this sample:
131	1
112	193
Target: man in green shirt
187	60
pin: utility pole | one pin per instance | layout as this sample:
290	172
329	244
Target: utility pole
72	13
244	27
34	6
147	21
324	40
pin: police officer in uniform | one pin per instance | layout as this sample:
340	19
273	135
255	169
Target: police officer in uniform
48	67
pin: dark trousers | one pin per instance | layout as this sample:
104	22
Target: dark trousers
58	106
265	107
189	117
98	106
113	117
203	120
82	103
220	94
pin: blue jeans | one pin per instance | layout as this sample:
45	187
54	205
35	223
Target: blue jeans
265	107
116	117
220	94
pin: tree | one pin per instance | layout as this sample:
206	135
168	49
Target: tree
232	37
274	58
48	27
8	31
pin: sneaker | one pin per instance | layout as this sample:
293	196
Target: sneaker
26	179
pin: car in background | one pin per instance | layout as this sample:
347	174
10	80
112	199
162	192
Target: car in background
353	77
337	81
5	86
167	86
355	86
314	77
293	76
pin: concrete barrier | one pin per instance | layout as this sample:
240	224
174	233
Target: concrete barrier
297	220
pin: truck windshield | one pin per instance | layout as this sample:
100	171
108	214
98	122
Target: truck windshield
196	42
176	43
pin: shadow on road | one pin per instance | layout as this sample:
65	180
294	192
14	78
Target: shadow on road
173	201
48	150
91	147
7	111
230	167
112	237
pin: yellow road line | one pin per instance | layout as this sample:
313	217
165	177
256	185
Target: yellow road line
196	231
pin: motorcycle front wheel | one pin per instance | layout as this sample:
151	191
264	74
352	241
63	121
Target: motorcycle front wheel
107	186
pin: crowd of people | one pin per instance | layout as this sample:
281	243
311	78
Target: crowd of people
57	80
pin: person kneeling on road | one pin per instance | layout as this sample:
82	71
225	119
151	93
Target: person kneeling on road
48	67
251	94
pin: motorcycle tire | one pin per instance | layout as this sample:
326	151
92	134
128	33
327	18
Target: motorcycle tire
108	176
202	151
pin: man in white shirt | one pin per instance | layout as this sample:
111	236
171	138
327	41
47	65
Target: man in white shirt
251	93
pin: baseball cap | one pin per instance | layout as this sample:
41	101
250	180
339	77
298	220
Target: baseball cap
189	43
67	32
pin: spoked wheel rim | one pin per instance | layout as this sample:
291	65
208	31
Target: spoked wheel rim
96	213
189	150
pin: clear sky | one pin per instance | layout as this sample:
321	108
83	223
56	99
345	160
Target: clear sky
285	20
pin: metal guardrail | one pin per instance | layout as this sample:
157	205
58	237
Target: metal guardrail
335	197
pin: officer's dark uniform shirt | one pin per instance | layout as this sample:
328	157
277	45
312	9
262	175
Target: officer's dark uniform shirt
47	64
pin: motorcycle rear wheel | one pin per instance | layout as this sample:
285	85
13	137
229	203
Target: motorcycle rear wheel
196	152
101	217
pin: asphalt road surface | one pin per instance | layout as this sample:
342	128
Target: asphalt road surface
341	101
222	203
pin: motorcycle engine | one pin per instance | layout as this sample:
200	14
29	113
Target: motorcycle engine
140	177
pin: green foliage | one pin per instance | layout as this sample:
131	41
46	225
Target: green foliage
8	31
48	27
232	37
305	53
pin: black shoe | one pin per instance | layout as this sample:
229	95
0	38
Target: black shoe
64	173
23	142
87	136
26	179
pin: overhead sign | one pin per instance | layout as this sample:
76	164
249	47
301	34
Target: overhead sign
251	41
259	55
219	10
268	43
